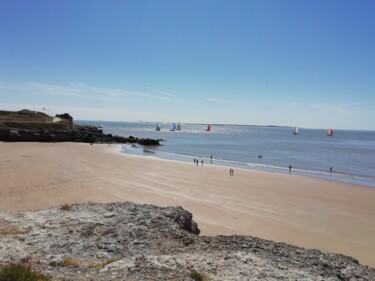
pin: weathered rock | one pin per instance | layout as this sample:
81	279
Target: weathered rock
126	241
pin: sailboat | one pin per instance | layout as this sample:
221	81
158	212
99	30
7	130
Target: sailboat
330	132
295	132
208	128
173	127
178	127
157	127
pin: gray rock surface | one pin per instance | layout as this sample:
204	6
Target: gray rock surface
126	241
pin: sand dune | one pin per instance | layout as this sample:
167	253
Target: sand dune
312	213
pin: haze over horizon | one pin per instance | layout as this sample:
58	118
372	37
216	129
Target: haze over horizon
289	63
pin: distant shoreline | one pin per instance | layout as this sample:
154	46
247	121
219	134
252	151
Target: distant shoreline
223	124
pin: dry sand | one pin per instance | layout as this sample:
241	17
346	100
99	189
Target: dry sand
312	213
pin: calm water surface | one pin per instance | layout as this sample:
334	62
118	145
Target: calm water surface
351	154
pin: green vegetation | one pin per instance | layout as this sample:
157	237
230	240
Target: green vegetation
53	263
70	262
17	116
7	229
66	207
65	262
10	231
19	272
66	116
62	125
32	120
196	276
102	264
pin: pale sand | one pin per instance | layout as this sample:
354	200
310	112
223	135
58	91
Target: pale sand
302	211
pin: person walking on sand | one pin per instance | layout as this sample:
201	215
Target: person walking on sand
202	162
290	169
231	172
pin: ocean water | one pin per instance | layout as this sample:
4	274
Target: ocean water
351	154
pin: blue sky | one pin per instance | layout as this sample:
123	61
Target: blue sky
298	63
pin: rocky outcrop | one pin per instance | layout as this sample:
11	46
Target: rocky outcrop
126	241
86	134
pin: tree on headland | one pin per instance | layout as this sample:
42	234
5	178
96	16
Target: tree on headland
65	116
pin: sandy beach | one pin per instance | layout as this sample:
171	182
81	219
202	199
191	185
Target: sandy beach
307	212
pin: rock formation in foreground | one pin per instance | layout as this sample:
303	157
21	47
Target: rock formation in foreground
126	241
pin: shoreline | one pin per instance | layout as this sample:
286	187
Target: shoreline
299	210
256	167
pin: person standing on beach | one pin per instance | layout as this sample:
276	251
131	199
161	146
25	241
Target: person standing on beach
211	159
290	169
330	170
202	162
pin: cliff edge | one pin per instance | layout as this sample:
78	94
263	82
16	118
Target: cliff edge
127	241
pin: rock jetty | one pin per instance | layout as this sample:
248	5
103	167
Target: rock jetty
126	241
86	134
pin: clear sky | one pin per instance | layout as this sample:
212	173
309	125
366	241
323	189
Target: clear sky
291	62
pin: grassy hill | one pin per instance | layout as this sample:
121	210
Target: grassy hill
17	116
32	120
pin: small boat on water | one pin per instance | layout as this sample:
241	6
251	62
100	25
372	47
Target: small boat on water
173	127
178	127
157	127
330	132
208	128
295	132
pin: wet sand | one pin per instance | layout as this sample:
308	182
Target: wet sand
307	212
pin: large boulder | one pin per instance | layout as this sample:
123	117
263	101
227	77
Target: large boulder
127	241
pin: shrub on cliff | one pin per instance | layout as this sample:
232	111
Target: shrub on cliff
19	272
196	276
65	116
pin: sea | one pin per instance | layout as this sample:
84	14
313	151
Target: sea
350	153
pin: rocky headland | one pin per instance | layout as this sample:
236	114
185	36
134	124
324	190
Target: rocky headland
126	241
85	134
32	126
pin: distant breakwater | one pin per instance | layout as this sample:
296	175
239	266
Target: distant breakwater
84	134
